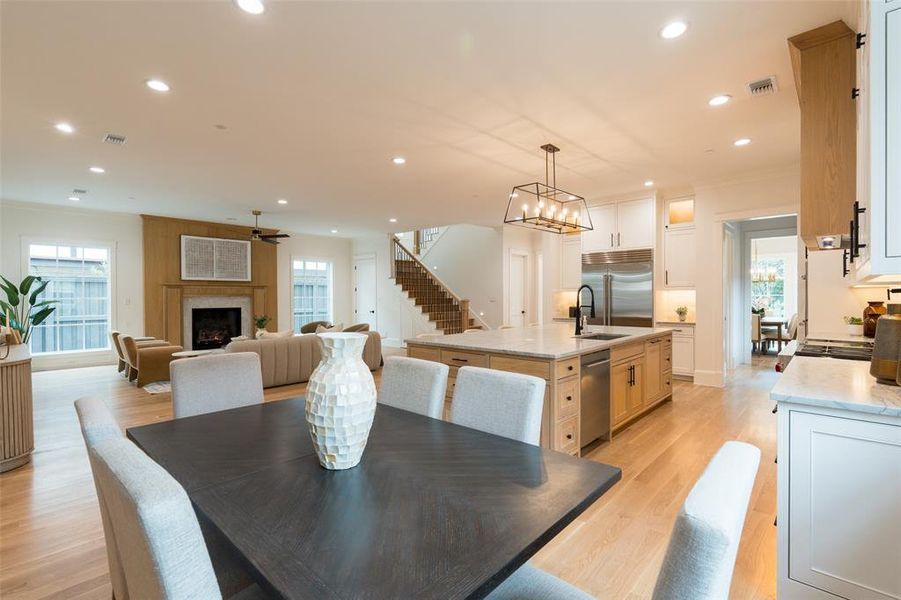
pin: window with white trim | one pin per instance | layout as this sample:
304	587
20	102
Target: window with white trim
79	279
311	291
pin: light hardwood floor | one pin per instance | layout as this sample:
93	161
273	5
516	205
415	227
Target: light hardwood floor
51	540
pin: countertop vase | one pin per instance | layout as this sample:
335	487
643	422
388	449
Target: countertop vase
884	364
871	314
340	403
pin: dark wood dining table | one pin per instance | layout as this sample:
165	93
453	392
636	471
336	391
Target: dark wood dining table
434	510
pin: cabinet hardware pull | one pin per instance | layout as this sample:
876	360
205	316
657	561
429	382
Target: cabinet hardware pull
569	436
569	398
611	240
619	240
460	359
570	367
666	278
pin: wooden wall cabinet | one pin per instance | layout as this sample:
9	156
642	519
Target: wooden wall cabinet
823	62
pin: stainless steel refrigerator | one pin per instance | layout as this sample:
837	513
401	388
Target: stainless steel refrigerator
623	286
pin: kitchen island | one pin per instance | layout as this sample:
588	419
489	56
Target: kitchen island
640	370
839	481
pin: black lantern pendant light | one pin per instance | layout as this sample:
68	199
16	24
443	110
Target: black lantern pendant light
543	207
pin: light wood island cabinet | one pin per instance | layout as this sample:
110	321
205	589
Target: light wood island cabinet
640	379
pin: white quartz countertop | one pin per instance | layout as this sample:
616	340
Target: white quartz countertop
839	384
553	341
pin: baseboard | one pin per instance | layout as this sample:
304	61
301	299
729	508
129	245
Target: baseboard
709	378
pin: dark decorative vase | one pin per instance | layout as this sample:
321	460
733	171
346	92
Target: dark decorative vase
871	314
886	348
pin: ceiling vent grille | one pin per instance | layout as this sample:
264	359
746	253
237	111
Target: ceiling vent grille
763	87
79	191
114	138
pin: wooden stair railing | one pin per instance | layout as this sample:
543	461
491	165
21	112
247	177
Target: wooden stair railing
449	312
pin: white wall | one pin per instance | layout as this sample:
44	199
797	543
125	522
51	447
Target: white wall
530	242
829	297
22	223
336	250
467	258
771	194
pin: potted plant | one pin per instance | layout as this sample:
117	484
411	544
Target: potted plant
855	325
682	312
261	321
23	310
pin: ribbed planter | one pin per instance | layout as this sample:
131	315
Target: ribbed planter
340	403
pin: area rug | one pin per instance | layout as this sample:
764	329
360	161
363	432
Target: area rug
158	387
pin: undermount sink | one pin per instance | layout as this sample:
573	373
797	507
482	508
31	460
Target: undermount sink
601	336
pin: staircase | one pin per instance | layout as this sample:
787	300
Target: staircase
445	309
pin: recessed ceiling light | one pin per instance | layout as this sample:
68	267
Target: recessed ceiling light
399	160
334	231
673	30
97	170
648	183
282	201
719	100
254	7
65	127
74	198
742	142
392	220
157	85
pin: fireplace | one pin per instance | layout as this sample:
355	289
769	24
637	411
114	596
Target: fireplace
214	327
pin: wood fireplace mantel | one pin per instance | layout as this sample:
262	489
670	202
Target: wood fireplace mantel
165	291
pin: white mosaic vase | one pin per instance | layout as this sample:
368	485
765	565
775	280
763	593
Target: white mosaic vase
340	403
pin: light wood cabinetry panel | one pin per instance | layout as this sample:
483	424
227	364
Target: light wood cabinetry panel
566	402
536	368
567	435
620	353
620	389
824	70
566	367
653	357
424	353
462	358
680	257
636	395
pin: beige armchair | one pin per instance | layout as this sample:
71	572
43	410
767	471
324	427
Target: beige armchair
147	361
357	328
116	336
312	325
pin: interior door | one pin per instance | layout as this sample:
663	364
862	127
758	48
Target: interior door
518	293
365	292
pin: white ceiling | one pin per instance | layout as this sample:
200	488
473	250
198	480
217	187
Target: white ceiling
318	97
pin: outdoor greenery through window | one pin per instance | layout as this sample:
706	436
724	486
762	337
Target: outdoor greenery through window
774	273
312	291
766	294
80	280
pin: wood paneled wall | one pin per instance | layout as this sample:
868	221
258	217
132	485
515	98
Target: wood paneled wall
162	274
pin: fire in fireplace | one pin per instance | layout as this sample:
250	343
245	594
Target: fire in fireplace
214	327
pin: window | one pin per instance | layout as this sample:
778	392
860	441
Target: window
774	276
312	291
80	280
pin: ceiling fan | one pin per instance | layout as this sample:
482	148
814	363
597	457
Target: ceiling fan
256	234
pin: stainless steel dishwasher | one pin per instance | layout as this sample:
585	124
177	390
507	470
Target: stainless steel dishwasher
595	397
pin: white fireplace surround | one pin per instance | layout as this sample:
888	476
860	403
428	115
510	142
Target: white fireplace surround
245	303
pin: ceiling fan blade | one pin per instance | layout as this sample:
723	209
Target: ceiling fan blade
268	241
274	235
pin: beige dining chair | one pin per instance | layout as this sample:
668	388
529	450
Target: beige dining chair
756	336
215	382
161	547
415	385
498	402
700	557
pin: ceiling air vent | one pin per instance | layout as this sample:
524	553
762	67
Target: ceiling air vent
114	138
79	191
763	87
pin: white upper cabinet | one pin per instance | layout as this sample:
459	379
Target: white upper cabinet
621	226
570	263
603	237
879	111
679	258
635	220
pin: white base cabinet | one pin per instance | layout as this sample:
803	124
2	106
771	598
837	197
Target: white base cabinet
684	350
839	504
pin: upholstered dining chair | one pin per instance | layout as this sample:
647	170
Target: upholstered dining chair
215	382
415	385
98	424
505	404
700	557
161	547
756	335
312	325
